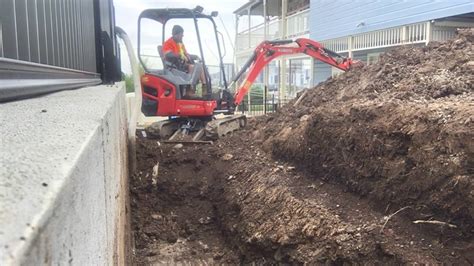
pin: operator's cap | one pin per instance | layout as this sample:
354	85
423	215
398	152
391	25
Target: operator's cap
177	30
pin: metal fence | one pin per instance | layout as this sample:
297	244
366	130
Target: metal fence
60	44
258	108
52	32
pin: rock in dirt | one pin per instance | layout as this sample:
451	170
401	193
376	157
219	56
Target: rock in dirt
178	146
156	216
227	157
155	170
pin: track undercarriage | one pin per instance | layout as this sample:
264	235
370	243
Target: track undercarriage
195	130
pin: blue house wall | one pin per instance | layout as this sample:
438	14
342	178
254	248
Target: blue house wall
323	71
336	18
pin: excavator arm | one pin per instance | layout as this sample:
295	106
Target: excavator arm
269	50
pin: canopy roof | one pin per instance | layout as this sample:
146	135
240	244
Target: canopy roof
164	14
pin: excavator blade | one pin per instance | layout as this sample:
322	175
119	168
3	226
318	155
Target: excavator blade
184	142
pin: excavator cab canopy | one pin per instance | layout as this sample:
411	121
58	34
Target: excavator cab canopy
163	15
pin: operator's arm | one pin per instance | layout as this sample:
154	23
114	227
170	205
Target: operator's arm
187	57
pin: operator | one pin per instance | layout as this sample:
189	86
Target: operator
175	53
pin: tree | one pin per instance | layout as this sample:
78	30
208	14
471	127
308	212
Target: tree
128	78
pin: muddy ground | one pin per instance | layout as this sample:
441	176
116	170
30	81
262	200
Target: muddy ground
339	177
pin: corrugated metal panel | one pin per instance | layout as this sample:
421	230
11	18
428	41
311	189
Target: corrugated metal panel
333	19
52	32
51	45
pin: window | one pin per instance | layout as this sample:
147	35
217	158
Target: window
335	71
300	75
372	58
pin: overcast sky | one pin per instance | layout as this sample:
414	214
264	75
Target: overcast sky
127	12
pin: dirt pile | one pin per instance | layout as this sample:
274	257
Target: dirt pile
339	178
400	132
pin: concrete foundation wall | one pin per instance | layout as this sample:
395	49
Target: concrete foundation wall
64	179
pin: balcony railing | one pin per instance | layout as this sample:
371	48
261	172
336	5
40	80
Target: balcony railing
422	32
296	25
443	33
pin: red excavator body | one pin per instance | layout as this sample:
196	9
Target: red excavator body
171	103
168	100
166	91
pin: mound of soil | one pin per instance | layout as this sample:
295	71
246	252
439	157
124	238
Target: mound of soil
338	178
399	132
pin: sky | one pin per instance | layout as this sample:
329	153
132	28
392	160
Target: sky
126	16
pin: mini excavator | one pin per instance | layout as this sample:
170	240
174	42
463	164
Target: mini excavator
164	90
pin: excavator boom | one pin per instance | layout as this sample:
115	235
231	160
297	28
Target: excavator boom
269	50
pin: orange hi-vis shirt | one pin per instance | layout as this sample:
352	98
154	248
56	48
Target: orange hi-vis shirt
177	48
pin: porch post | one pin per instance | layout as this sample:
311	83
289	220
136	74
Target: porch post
265	73
283	27
428	33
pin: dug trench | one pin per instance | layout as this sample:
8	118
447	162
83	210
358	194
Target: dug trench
373	166
233	204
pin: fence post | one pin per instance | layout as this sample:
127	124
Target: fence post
249	102
265	90
428	32
273	103
405	35
350	43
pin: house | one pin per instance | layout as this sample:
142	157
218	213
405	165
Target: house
360	29
260	20
364	29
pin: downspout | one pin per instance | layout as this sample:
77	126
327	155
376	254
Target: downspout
135	112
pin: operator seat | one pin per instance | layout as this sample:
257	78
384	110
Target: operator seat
171	71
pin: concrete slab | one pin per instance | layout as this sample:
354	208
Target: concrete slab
63	178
